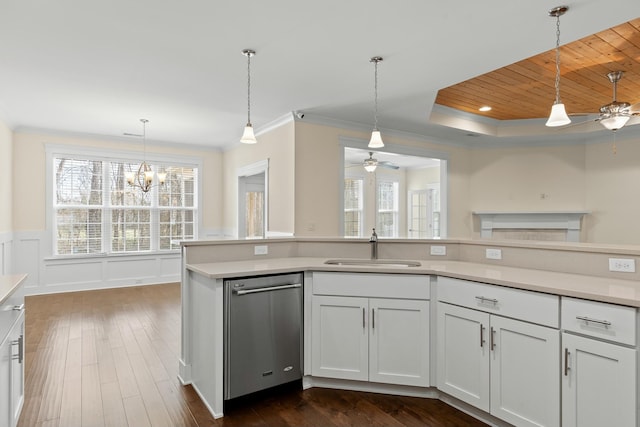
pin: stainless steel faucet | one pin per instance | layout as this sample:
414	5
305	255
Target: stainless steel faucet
374	244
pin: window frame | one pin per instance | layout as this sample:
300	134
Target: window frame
53	151
395	211
361	210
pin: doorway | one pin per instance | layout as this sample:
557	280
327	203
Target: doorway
253	201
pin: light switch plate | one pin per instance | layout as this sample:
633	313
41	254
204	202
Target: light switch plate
261	250
438	250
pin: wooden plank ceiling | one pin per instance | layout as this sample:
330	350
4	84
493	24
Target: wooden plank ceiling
525	90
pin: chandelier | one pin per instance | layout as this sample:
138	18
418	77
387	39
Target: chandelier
143	179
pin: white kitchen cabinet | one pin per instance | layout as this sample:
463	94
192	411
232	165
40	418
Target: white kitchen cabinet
599	377
356	336
340	344
12	374
399	342
506	367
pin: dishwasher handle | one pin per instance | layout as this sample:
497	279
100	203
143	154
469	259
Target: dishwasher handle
266	289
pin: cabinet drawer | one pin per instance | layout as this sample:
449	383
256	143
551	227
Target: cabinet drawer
598	319
534	307
371	285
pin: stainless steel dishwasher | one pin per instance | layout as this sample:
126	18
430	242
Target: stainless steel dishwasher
263	333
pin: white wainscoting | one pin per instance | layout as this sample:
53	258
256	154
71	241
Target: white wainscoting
31	255
6	253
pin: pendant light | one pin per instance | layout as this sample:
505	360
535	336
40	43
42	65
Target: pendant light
143	179
248	137
558	116
376	138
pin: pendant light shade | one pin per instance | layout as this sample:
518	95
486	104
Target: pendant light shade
558	116
248	137
376	138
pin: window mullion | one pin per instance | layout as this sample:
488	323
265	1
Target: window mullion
106	208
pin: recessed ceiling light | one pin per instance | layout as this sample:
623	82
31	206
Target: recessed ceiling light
484	108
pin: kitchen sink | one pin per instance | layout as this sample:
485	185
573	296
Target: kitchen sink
374	262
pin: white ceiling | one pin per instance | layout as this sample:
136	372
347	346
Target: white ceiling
98	67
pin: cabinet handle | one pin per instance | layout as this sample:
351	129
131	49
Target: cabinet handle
481	335
373	318
566	361
585	319
492	339
485	299
20	343
363	314
18	307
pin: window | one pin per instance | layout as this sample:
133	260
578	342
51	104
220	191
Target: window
388	206
96	211
353	207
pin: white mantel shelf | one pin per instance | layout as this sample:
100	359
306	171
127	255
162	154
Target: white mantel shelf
556	220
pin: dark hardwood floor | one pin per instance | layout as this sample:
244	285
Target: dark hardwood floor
110	358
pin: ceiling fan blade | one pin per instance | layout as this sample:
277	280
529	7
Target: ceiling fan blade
388	165
634	109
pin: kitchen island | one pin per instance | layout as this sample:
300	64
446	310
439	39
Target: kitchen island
206	264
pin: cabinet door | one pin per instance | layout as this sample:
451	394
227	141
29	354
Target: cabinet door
5	382
399	341
525	372
463	354
339	341
17	370
598	383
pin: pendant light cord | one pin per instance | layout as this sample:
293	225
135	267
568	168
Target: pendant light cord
375	91
249	88
558	59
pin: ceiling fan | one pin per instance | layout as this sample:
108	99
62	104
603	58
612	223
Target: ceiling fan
616	114
370	164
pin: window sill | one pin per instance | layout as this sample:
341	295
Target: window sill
150	254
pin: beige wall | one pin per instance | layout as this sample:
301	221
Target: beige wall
278	146
29	162
317	208
613	196
6	179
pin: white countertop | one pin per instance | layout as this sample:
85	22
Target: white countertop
617	291
9	284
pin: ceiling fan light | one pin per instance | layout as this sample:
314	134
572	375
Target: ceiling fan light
376	139
558	116
615	122
248	136
370	165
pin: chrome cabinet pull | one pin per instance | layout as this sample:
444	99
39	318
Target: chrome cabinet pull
373	318
585	319
268	289
485	299
481	335
18	307
492	339
20	343
566	361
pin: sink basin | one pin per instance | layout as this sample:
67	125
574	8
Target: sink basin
374	262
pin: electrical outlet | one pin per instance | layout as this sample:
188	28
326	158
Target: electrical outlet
493	253
625	265
438	250
261	250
